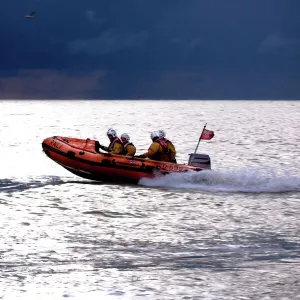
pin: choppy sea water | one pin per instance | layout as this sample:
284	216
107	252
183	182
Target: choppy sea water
229	233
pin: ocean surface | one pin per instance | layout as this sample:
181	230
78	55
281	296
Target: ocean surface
229	233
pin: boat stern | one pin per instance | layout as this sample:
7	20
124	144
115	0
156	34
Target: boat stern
199	160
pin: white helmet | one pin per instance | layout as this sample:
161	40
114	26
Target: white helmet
162	133
111	132
125	136
154	134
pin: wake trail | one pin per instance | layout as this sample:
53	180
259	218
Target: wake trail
10	185
248	180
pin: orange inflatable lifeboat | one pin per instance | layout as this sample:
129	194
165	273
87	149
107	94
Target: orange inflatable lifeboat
80	157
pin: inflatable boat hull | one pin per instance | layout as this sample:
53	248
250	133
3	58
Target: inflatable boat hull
80	157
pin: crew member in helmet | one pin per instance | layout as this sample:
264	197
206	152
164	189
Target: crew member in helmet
115	146
171	147
158	150
129	148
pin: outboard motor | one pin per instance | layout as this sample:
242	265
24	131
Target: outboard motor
199	160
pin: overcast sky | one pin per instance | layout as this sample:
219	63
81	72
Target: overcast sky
150	49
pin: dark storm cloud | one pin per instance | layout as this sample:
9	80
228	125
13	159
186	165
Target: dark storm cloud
31	84
152	49
109	41
276	44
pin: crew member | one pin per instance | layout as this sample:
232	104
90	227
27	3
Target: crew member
171	147
128	148
159	149
115	146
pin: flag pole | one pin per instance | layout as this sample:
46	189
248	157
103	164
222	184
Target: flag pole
200	138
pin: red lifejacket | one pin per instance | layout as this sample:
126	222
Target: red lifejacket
163	142
165	155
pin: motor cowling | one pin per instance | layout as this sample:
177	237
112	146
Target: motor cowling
199	160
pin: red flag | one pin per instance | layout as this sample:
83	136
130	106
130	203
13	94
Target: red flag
207	134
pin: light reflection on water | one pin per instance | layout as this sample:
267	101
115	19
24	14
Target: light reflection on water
229	233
